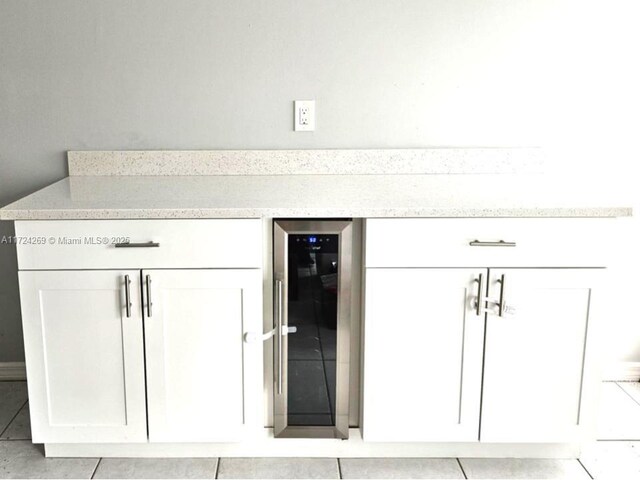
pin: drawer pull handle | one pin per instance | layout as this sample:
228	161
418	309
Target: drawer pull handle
501	243
137	245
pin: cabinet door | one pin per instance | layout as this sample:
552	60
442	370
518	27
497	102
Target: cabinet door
535	354
84	355
194	351
423	354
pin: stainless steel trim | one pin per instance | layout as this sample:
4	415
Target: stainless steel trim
137	245
280	343
343	228
501	301
500	243
279	333
127	295
479	302
149	302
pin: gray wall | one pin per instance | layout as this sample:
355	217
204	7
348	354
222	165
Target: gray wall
162	74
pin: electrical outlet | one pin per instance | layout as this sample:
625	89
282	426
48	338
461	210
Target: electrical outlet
304	116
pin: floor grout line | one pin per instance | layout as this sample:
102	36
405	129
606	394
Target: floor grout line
585	468
628	394
96	469
339	468
13	418
464	474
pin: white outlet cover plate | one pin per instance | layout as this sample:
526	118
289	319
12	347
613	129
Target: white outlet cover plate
304	115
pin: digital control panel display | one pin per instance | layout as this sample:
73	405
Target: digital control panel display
314	242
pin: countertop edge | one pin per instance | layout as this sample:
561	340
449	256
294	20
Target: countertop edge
22	209
138	214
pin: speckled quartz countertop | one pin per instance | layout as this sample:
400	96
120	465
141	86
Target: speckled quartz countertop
429	182
256	196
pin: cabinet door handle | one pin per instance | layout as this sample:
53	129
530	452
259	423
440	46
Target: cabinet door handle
127	295
149	303
137	245
501	281
479	301
279	333
500	243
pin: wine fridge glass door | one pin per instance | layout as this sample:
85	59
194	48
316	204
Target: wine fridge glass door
312	294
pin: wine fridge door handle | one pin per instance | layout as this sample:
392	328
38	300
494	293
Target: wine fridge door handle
279	319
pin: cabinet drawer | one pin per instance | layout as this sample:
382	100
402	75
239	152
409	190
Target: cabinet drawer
91	244
549	242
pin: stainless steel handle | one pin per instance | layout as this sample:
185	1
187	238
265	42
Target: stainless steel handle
501	301
149	303
127	295
479	300
279	333
500	243
137	245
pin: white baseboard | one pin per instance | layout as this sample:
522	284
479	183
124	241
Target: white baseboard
264	445
12	371
622	372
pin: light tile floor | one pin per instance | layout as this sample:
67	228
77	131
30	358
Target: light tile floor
615	456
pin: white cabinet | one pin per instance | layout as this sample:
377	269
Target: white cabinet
423	354
88	349
194	351
535	357
84	355
522	371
